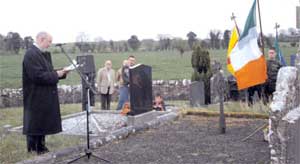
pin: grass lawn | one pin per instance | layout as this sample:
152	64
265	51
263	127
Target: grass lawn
13	145
166	65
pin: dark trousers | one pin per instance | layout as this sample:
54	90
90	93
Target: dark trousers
105	101
251	92
269	90
35	143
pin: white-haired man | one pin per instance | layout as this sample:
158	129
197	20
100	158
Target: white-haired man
105	84
41	105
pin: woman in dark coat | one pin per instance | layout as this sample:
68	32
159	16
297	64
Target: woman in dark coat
41	104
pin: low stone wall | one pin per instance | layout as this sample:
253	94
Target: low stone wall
284	127
11	97
170	90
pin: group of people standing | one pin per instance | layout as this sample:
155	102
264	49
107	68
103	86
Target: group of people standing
107	78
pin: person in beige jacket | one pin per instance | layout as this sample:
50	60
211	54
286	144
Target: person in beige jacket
105	84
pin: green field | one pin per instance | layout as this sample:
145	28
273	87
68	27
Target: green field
166	65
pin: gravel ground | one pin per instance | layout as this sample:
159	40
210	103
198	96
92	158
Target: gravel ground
189	140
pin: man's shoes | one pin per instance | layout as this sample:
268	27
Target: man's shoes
31	145
42	150
36	143
38	150
31	149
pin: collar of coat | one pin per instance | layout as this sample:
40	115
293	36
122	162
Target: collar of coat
36	48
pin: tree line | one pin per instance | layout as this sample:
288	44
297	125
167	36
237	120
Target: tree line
217	39
164	42
14	42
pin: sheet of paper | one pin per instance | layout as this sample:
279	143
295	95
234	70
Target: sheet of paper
72	66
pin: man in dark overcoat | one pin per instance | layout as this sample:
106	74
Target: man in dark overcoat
41	105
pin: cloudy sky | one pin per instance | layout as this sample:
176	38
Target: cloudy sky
118	19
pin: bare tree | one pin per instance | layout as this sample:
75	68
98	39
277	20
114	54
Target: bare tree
226	38
112	45
82	42
28	42
180	45
148	44
13	42
191	39
2	42
100	44
214	36
164	41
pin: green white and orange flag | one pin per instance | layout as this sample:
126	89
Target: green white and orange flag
247	61
232	42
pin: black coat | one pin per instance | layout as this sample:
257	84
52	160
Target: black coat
41	104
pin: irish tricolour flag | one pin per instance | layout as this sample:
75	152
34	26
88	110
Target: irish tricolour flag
248	62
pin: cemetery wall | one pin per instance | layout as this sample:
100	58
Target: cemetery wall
170	90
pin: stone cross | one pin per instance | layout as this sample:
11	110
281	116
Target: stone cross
218	88
221	88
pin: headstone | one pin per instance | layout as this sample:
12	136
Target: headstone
140	79
197	94
143	118
233	89
216	67
293	58
217	83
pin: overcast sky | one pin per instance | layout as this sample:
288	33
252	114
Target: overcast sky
118	19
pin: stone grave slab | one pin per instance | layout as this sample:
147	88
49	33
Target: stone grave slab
143	118
140	77
101	123
197	95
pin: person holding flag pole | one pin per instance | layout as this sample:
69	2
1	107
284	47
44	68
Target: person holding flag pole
274	63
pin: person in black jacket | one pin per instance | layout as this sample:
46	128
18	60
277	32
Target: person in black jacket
40	96
125	70
273	67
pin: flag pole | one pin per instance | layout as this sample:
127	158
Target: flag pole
261	31
233	18
262	47
276	28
